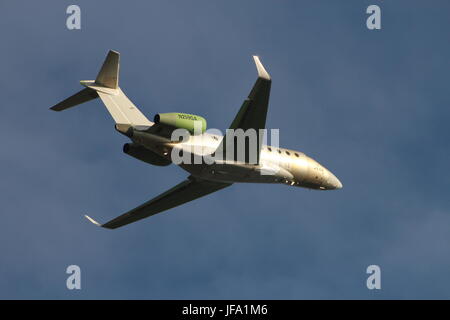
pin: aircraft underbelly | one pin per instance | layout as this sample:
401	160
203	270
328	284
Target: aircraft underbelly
236	173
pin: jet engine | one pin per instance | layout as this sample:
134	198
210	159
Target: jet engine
143	154
192	123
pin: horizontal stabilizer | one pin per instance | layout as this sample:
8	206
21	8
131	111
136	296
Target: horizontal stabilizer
80	97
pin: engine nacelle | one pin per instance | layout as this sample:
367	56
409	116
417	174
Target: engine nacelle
143	154
182	120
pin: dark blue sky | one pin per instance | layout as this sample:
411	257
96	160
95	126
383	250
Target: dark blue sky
372	106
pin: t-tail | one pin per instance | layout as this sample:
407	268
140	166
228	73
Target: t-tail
106	86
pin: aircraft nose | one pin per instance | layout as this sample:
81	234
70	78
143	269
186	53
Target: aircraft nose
335	182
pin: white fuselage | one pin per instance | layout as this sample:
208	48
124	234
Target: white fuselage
276	165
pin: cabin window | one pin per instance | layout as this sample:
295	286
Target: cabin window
279	151
269	148
288	153
296	154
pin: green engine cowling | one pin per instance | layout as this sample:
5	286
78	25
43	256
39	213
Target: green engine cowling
182	120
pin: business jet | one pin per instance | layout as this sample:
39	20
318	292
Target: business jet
213	161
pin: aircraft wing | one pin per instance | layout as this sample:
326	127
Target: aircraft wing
253	112
186	191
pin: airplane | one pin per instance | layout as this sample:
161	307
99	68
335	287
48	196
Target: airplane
153	143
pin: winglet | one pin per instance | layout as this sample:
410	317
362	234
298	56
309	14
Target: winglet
262	73
92	220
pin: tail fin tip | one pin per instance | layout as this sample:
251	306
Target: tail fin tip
108	75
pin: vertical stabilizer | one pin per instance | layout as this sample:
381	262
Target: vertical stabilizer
109	73
106	86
